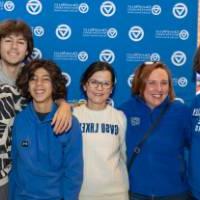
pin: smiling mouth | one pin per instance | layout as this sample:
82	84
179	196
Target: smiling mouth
157	95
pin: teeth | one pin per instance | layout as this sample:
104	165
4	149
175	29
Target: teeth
157	95
39	91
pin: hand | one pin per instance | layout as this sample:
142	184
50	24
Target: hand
62	119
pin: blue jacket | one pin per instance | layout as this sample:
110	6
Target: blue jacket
159	169
45	165
194	164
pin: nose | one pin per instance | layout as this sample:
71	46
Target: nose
100	86
38	81
14	44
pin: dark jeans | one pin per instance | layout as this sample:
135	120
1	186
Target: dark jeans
182	196
4	192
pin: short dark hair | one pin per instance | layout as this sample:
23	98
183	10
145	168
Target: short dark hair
95	67
11	26
143	72
57	78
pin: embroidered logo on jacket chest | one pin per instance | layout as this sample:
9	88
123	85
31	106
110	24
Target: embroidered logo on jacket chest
135	121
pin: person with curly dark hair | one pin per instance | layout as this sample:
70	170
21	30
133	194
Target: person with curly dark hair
45	165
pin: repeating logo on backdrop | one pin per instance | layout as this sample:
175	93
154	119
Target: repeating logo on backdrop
136	33
36	54
107	55
156	10
182	81
68	78
83	56
154	57
180	10
34	7
178	58
108	8
184	34
9	6
63	32
112	33
83	8
38	31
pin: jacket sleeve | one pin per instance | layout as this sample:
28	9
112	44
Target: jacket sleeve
73	163
123	124
14	98
12	181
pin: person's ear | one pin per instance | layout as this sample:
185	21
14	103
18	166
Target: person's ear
84	88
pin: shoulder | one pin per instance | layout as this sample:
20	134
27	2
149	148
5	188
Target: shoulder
78	109
179	105
116	114
127	104
196	101
8	89
116	111
179	109
24	112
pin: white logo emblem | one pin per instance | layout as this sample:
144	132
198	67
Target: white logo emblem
136	33
36	54
107	56
180	99
9	6
110	102
178	58
130	80
112	33
34	7
108	8
83	56
83	8
182	82
184	34
155	57
156	10
38	31
180	10
68	78
63	31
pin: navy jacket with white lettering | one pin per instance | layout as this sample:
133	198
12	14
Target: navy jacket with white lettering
194	169
160	168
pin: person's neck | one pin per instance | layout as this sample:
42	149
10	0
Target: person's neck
96	107
10	70
42	107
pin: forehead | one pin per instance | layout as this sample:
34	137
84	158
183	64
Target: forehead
41	72
16	35
158	74
103	75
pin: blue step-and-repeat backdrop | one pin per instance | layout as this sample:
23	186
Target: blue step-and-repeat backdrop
124	33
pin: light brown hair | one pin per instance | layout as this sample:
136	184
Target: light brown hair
143	72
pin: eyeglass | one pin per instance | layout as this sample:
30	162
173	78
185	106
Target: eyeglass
95	84
153	83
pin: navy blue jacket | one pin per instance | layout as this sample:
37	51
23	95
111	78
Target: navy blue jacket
160	168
